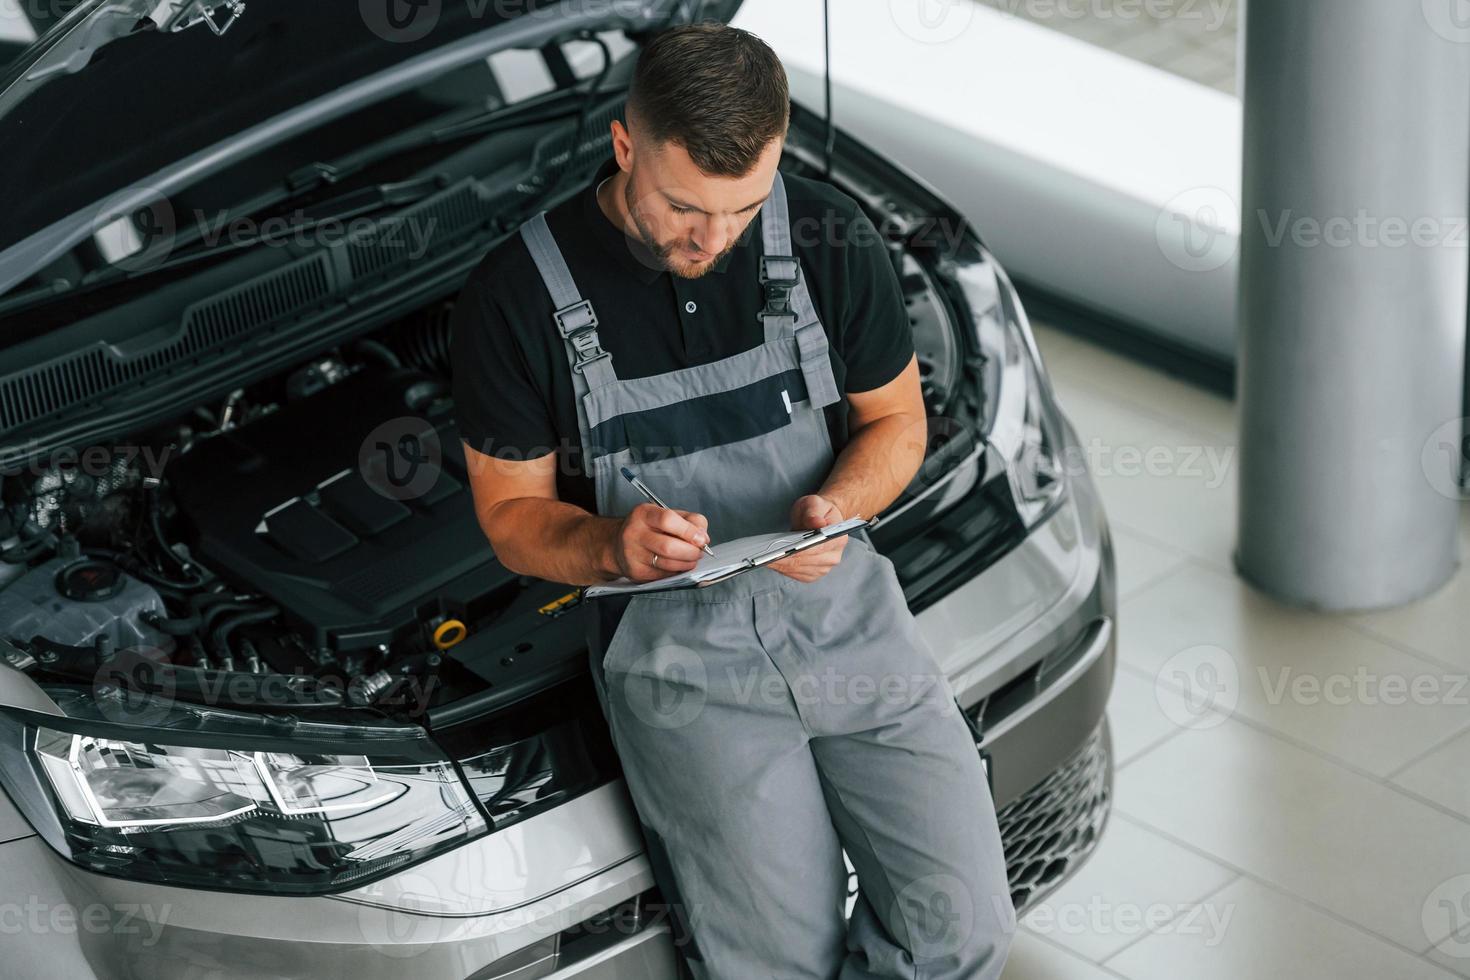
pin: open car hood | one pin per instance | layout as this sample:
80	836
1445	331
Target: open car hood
121	92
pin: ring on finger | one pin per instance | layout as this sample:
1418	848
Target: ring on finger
654	561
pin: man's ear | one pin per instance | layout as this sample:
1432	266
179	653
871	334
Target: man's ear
622	142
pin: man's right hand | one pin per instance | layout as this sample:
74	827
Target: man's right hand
674	537
533	533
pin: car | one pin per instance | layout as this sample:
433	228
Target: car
269	705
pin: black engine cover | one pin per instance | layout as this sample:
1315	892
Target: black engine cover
348	508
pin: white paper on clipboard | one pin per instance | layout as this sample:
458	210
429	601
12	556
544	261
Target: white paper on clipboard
732	558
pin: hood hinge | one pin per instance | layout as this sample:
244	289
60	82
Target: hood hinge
180	15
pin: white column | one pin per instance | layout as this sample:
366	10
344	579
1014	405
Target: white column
1352	296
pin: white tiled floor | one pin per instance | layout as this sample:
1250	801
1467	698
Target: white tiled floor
1292	797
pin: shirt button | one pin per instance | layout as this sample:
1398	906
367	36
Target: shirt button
689	307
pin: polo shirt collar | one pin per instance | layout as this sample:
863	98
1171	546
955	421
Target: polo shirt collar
628	251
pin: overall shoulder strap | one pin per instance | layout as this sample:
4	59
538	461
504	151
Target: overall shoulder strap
788	310
575	319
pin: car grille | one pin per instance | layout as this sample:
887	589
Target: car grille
1055	825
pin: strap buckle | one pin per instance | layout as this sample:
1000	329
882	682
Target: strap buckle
578	326
588	350
575	318
779	274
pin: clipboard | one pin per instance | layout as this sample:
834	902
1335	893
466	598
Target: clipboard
768	548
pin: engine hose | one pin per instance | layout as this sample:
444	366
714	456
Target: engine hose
178	591
199	600
380	351
136	568
155	524
186	626
198	617
226	607
27	550
219	638
426	343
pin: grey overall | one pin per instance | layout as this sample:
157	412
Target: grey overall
765	725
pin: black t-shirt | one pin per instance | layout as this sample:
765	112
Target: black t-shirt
512	381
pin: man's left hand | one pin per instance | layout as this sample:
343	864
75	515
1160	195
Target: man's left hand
808	513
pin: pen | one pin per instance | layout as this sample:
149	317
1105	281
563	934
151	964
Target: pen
638	485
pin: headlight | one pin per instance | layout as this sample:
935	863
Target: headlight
220	806
1025	427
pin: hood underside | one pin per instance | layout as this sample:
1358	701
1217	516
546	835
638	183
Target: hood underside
118	91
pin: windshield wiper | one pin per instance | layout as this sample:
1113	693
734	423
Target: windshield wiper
314	176
214	241
206	239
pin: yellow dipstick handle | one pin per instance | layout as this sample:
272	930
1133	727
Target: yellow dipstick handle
449	633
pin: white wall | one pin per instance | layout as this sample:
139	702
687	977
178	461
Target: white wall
1098	178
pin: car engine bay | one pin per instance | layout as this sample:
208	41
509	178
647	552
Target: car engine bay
316	528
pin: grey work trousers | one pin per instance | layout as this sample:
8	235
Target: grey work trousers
767	725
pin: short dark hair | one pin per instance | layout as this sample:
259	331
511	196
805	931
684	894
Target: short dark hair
715	90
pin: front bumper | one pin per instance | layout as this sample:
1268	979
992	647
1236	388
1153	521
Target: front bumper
1030	646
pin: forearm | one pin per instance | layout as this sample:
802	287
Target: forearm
877	463
552	540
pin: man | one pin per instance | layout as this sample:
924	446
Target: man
697	316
